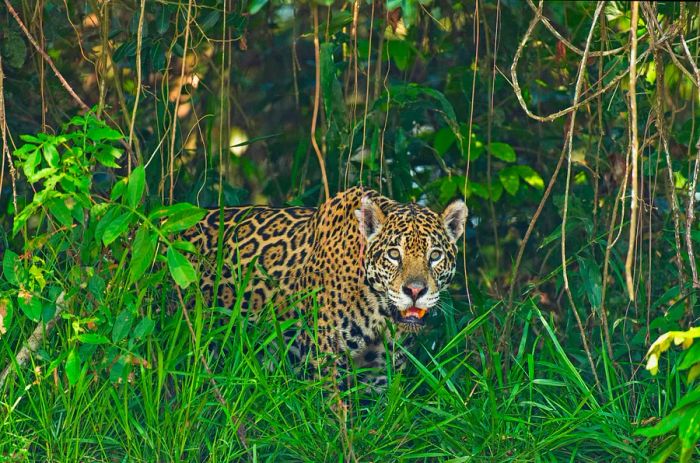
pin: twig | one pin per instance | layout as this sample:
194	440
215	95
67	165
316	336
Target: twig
521	250
139	40
569	45
181	83
317	98
240	431
570	142
518	92
661	128
46	57
42	330
601	129
5	154
634	145
690	208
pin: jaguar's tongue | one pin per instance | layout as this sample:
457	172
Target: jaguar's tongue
413	312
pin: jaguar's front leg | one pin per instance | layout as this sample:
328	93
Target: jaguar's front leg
380	358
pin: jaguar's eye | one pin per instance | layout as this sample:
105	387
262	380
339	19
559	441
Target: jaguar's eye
435	256
394	254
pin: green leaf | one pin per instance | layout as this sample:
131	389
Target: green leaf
51	155
531	177
60	211
502	151
144	328
30	165
444	139
666	425
10	261
73	367
691	357
183	245
136	186
143	254
115	228
106	155
103	133
31	306
510	180
592	281
122	325
181	217
118	189
256	5
400	51
92	338
180	268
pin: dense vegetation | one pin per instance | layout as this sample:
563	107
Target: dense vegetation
570	128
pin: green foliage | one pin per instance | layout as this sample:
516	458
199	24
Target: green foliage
683	422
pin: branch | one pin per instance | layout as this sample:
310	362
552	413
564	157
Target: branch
5	153
46	57
570	142
317	98
569	45
40	332
690	209
634	146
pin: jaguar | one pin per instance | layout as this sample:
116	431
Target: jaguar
371	267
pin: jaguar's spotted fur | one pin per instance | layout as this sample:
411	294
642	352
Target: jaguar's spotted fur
373	261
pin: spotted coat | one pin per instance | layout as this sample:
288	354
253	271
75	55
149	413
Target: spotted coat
364	260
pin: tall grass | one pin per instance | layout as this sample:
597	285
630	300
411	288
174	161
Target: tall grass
453	403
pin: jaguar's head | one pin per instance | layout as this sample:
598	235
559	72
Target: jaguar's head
409	255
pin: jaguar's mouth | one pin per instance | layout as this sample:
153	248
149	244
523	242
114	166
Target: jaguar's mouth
412	316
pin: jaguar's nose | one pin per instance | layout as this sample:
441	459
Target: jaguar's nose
415	289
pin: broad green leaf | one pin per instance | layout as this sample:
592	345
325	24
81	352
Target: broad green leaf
30	305
531	177
256	5
10	261
510	180
103	133
30	139
180	268
444	139
122	325
502	151
691	357
118	189
182	245
60	211
31	163
115	228
182	218
144	328
51	155
143	254
107	155
136	186
73	367
666	425
400	51
92	338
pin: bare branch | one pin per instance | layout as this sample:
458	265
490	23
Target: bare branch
634	147
46	57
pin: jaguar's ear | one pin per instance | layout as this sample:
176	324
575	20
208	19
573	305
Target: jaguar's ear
454	217
370	218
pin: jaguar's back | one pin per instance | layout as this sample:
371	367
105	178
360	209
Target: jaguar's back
271	243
